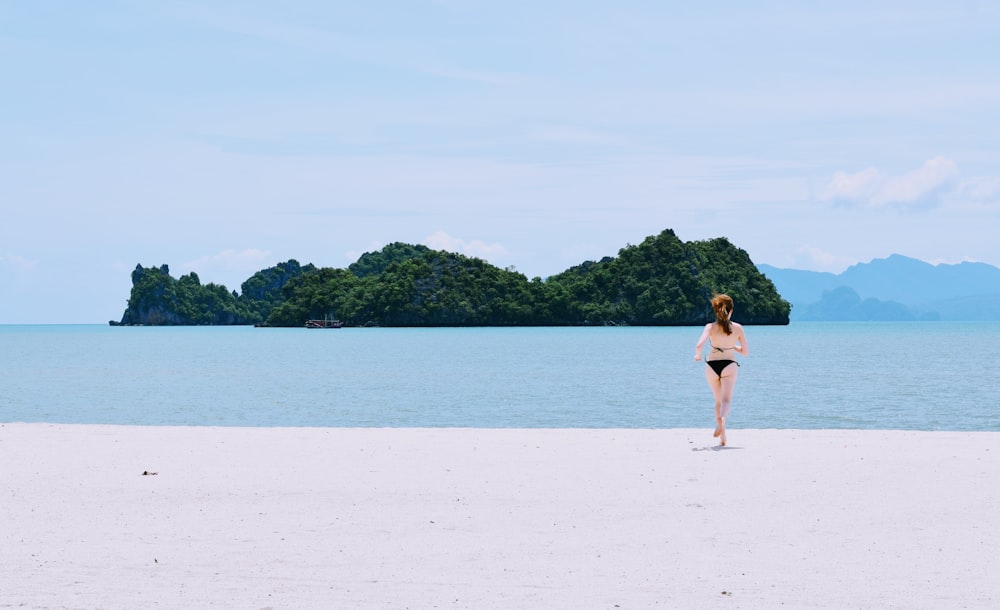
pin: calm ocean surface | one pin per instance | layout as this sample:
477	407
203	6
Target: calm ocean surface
912	376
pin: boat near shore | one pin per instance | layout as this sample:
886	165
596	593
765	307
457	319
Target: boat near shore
324	323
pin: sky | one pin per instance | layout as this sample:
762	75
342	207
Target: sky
222	137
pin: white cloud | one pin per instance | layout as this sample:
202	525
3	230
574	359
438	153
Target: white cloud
817	259
442	241
386	51
576	135
851	188
921	188
17	262
952	261
982	189
228	262
353	255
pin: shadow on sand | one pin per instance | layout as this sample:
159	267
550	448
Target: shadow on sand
715	448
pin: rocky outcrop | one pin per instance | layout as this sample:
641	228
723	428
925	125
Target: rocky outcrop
157	299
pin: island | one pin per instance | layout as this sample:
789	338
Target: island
662	281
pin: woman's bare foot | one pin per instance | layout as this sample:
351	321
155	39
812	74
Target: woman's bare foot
719	424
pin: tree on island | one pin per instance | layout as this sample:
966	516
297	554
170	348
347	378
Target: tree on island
662	281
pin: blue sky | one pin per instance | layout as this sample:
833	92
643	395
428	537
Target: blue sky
223	137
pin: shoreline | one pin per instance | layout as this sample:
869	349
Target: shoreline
496	518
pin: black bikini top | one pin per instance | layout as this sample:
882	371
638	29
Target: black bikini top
720	349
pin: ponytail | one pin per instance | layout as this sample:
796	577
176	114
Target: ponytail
723	306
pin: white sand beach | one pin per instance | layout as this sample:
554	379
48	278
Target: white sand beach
471	518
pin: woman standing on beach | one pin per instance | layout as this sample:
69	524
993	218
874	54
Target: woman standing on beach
725	338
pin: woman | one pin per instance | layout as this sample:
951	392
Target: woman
725	338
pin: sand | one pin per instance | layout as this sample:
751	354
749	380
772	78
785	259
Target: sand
467	518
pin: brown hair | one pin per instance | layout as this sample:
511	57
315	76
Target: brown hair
723	306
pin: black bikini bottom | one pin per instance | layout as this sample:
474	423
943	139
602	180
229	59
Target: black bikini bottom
719	365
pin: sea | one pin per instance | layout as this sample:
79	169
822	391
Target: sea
808	375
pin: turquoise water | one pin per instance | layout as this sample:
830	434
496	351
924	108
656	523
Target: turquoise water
914	376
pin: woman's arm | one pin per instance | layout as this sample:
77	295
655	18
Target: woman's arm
741	339
701	342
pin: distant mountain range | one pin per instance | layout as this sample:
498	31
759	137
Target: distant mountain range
894	288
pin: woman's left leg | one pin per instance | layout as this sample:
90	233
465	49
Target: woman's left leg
724	399
715	384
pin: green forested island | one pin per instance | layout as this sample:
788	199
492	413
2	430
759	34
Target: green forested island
661	282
